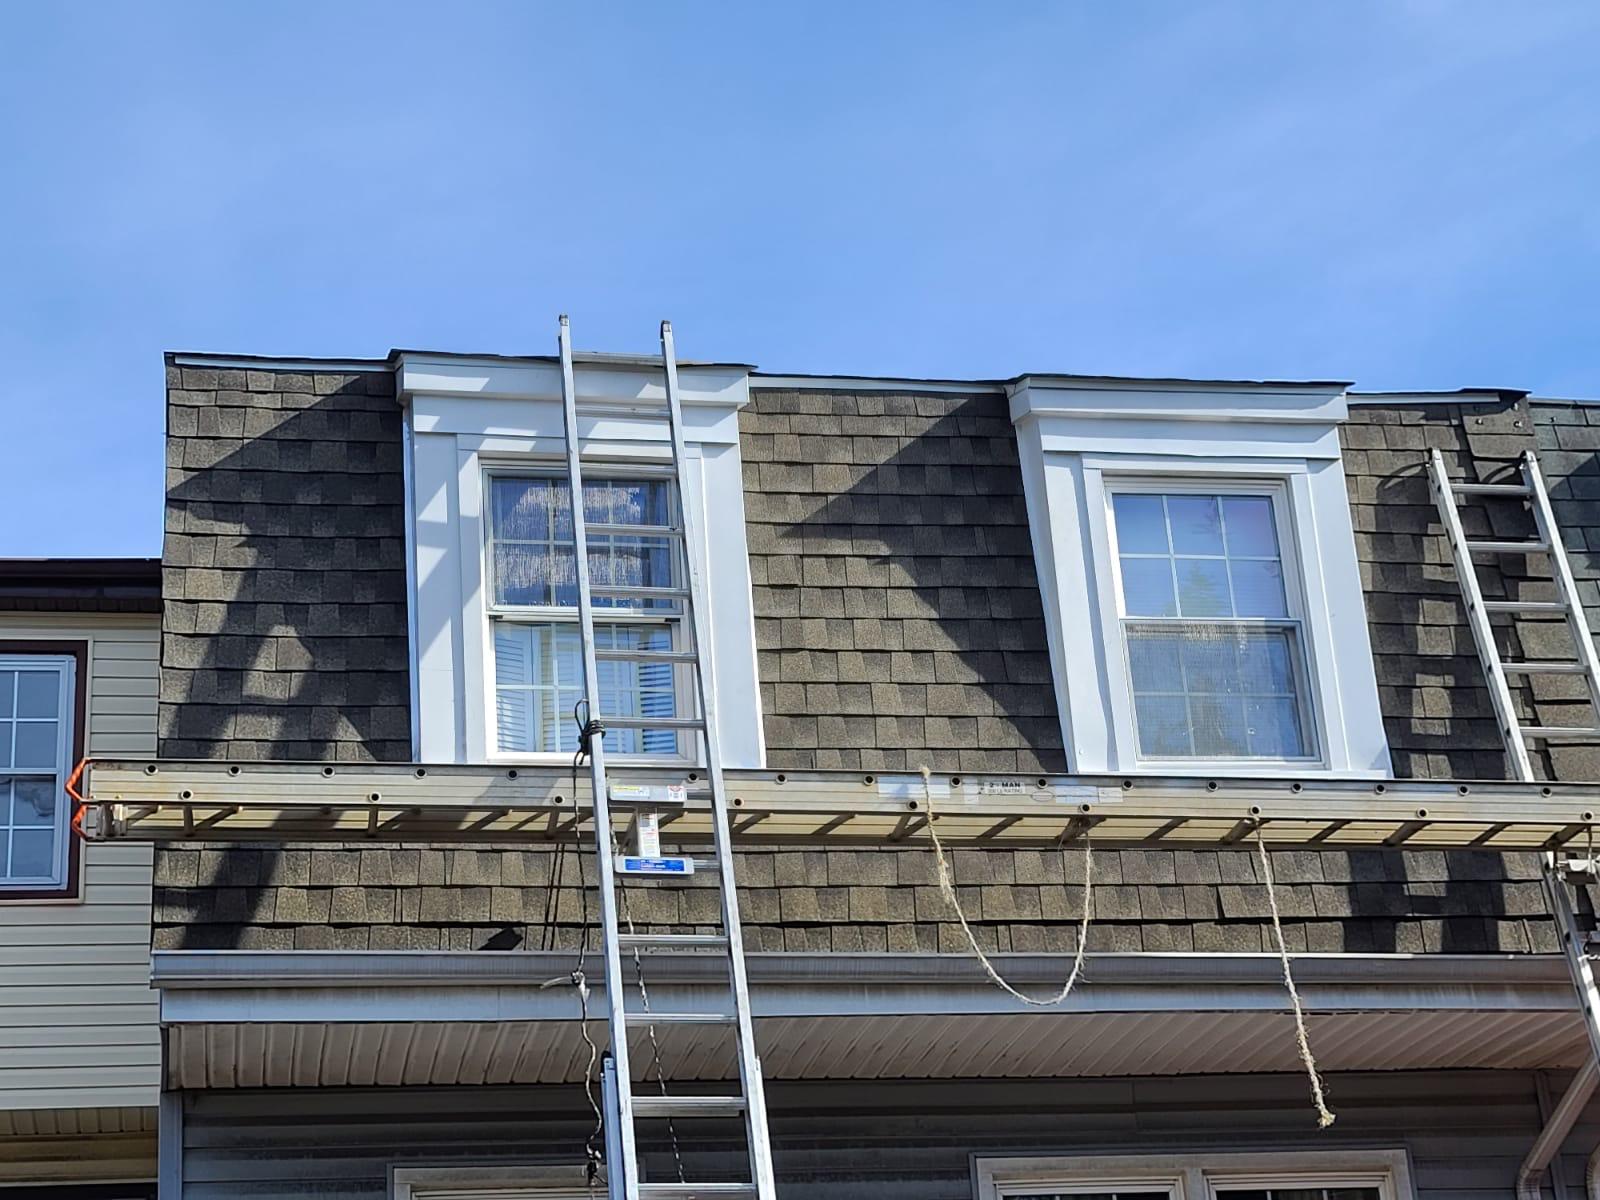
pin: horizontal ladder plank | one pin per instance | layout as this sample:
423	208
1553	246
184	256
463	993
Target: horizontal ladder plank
670	940
688	1106
1491	489
1532	667
1524	606
1493	546
686	657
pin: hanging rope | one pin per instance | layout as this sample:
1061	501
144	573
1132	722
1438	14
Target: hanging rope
947	886
1324	1116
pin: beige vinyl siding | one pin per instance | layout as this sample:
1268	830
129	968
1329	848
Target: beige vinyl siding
78	1023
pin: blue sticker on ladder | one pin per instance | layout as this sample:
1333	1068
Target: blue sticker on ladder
630	864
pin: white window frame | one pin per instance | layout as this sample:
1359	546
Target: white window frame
1199	1176
1278	493
550	614
1078	436
60	880
466	414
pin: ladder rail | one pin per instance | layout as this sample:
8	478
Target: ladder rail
1577	623
1478	618
694	543
626	1173
1513	733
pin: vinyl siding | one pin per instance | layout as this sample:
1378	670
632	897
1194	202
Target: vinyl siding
77	1015
1465	1132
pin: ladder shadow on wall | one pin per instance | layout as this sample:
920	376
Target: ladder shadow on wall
284	631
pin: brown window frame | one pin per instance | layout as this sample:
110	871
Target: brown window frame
78	651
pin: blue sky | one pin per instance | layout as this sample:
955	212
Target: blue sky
1402	194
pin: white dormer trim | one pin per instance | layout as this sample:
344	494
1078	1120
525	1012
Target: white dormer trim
1078	437
465	416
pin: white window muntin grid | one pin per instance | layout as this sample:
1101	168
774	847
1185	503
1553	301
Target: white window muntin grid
1283	527
62	667
671	617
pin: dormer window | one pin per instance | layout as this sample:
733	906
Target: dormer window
538	668
496	668
1202	599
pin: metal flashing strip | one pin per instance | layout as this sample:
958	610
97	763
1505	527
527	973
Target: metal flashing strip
264	362
868	383
171	800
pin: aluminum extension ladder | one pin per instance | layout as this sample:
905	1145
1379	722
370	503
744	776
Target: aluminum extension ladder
622	1108
1516	736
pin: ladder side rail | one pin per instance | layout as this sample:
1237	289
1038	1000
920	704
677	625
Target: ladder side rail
1478	618
1577	622
1579	964
628	1168
694	542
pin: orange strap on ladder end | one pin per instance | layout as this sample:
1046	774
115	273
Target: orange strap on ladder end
79	804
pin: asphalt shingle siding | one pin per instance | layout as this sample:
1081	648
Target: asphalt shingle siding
1568	435
898	616
1431	687
379	898
283	567
898	622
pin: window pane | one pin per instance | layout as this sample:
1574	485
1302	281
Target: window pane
1216	690
1163	726
1210	664
1141	523
1196	524
33	853
531	555
36	744
38	694
5	743
1258	589
8	692
1147	587
1154	659
523	573
1265	665
1250	527
1203	587
521	509
1219	728
1274	727
33	802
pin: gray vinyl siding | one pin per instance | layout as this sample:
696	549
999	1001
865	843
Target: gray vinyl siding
77	1016
1465	1132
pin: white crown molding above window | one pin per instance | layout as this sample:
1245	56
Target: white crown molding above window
465	416
1078	439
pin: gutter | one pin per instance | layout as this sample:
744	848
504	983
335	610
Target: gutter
286	987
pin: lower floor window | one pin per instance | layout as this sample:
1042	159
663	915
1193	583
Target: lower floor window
35	736
538	681
1276	1175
